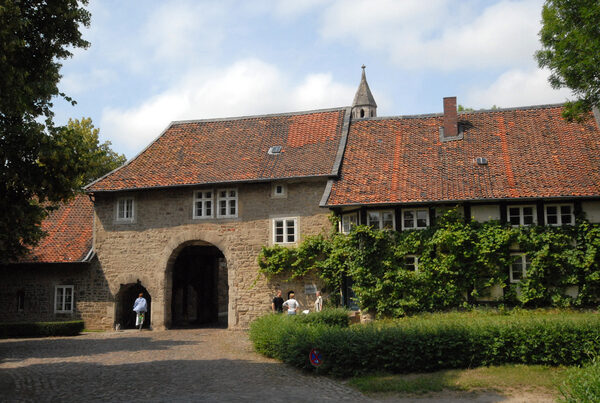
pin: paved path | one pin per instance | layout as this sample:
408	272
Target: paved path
200	365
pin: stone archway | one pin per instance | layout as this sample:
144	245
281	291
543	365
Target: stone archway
124	315
198	293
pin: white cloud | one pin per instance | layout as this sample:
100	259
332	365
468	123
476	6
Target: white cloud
446	35
77	83
247	87
517	88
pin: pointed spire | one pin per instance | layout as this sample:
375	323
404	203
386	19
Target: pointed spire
364	104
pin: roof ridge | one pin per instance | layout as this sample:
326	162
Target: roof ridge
232	118
431	115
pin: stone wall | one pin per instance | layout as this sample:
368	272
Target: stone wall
37	282
146	249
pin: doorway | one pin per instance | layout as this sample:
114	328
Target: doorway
200	290
128	293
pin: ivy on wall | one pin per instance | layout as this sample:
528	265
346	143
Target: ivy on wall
458	264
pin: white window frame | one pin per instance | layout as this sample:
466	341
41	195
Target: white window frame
63	298
347	218
203	200
415	211
381	213
279	195
416	263
228	199
285	225
559	214
525	264
129	218
521	215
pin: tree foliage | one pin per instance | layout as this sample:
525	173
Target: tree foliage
41	164
459	263
99	158
570	38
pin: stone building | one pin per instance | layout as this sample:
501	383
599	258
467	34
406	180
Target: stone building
184	221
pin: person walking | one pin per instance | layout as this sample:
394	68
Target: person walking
277	304
140	307
291	304
319	302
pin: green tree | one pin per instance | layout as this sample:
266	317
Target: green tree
99	158
41	164
570	38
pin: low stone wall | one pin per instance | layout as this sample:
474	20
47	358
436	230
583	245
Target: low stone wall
36	283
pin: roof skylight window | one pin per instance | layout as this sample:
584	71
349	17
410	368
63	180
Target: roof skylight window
274	150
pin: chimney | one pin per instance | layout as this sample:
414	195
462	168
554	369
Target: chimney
450	118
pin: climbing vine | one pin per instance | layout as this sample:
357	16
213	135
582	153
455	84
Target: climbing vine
459	263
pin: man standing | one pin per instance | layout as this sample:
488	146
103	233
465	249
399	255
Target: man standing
319	302
277	304
140	306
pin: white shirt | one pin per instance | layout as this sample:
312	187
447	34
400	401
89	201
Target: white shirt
292	304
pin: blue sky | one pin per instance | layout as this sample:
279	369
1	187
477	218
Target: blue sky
153	62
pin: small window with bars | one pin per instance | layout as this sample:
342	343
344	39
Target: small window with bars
519	267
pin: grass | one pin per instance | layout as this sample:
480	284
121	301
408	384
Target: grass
534	378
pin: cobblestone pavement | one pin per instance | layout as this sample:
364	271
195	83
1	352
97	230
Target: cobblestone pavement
175	366
195	365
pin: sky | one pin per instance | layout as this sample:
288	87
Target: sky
154	62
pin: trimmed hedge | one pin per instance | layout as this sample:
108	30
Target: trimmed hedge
41	329
430	344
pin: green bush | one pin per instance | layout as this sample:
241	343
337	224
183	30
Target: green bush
582	384
271	332
41	329
432	343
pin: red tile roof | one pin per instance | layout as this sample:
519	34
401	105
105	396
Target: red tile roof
234	150
69	236
531	152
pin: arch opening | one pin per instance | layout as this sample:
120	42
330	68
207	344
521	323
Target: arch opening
124	315
199	292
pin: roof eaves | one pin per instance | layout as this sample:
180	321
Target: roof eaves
451	201
187	185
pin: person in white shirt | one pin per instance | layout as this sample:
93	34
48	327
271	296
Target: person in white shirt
292	305
140	306
319	302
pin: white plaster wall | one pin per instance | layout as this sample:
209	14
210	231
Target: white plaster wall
485	212
591	210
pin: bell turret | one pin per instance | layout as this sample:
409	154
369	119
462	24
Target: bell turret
364	105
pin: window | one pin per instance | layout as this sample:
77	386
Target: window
285	230
381	219
227	203
411	262
559	214
203	204
348	221
518	269
20	301
63	300
521	215
279	190
125	209
415	218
